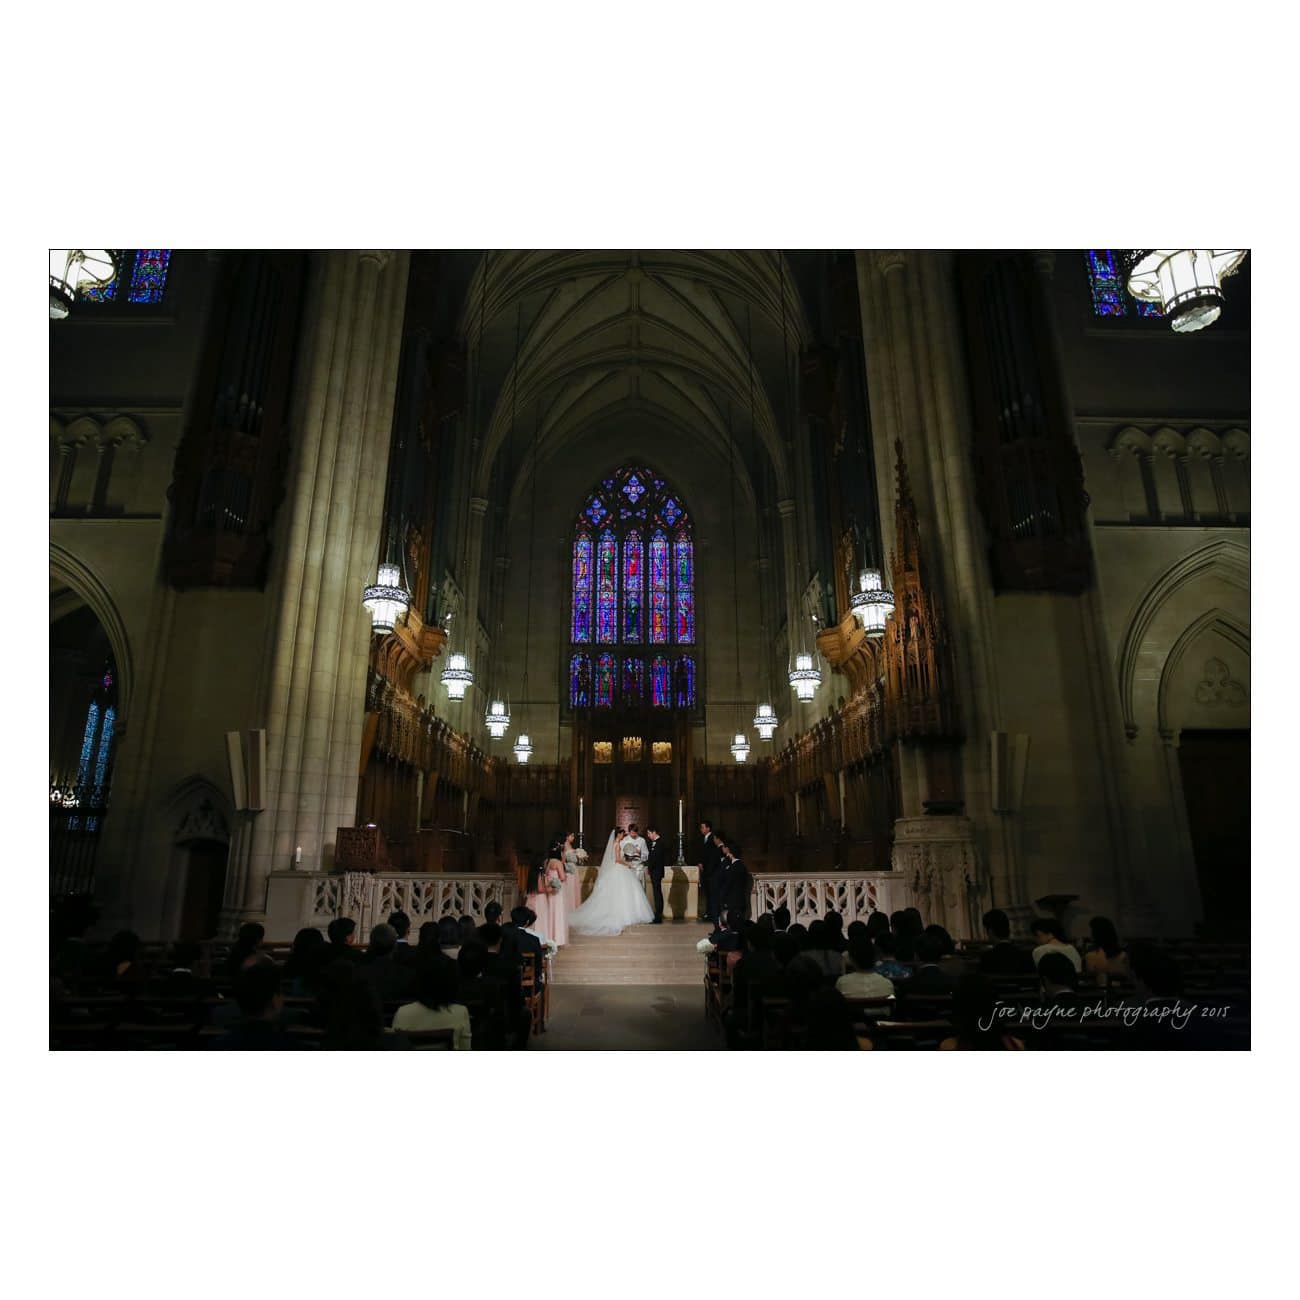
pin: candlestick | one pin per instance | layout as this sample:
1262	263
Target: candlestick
297	856
579	814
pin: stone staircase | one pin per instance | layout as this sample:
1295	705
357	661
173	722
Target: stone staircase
642	954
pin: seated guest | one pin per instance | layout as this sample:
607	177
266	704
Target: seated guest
181	981
468	929
307	958
781	919
758	974
877	924
1049	937
954	966
887	963
855	927
341	932
427	938
448	936
1107	957
821	949
257	991
401	924
393	978
503	968
122	964
730	946
799	933
248	942
492	913
1005	957
929	976
974	1017
436	1007
1156	974
354	1020
768	922
1058	978
861	979
527	942
784	944
803	977
835	932
830	1023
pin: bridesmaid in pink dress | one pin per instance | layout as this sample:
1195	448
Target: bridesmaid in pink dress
545	897
572	894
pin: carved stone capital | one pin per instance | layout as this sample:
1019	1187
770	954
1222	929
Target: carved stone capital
889	260
785	507
378	257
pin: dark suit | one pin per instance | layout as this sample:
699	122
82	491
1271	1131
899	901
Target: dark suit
733	892
711	873
654	866
1006	958
527	947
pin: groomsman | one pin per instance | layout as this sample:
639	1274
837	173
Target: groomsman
710	871
733	891
654	865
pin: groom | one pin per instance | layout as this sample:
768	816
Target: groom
654	866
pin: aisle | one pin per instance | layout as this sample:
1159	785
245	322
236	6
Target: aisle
628	1018
642	954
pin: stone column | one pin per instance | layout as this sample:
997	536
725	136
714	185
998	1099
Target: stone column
325	551
790	559
472	563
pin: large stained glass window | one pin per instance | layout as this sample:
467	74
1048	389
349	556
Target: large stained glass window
144	273
582	588
1109	296
605	681
607	589
87	747
633	585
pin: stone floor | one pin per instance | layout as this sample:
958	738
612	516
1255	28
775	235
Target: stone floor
628	1018
642	954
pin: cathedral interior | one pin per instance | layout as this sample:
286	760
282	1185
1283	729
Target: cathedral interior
393	563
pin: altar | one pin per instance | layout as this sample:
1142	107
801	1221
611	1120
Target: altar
681	886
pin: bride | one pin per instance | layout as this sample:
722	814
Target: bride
617	901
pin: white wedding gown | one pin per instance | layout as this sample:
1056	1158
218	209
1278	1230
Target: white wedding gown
617	901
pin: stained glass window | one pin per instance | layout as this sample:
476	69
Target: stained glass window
633	584
633	588
582	588
87	746
684	566
1109	296
105	746
633	681
686	683
145	272
605	681
580	682
661	690
607	590
659	588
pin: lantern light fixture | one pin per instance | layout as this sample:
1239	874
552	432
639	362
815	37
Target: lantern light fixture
872	603
497	719
387	599
74	269
805	678
765	721
457	677
1186	282
740	747
523	747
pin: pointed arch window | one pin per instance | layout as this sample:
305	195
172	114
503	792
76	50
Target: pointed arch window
634	585
141	279
95	762
580	682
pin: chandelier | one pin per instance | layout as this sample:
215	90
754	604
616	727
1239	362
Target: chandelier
804	677
73	269
523	747
872	603
739	747
765	721
387	600
1186	282
457	677
497	719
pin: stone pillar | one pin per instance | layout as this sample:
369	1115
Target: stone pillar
326	550
471	713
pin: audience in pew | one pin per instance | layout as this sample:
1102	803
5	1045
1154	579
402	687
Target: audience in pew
1004	957
260	1027
862	980
246	948
1050	937
342	934
436	1007
1107	959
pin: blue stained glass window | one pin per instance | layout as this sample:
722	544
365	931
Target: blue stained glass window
105	748
684	565
671	512
582	578
1110	298
87	745
661	690
596	510
580	682
145	273
633	680
659	583
634	489
605	681
686	683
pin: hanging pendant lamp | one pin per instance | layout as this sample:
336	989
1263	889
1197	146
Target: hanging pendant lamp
1186	282
74	269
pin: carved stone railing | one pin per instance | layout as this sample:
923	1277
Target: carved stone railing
853	894
310	898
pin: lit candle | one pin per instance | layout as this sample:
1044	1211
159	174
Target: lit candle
680	814
579	814
297	856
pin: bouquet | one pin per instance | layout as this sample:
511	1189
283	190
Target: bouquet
550	947
704	947
554	884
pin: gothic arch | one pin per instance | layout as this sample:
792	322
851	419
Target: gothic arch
1216	620
197	810
1227	561
74	573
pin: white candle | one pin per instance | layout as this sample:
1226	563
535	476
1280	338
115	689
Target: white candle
297	856
680	811
579	814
